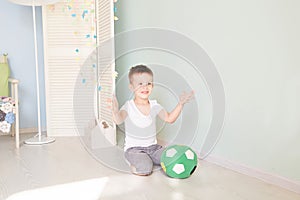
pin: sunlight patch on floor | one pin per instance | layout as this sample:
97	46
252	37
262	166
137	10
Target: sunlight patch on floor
88	189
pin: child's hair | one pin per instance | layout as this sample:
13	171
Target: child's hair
139	69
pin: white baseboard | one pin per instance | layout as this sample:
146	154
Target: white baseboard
30	130
259	174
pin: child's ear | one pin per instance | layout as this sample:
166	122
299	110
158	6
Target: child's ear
130	86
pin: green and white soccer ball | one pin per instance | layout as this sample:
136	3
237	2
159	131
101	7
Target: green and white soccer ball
179	161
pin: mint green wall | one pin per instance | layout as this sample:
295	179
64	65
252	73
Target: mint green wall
255	47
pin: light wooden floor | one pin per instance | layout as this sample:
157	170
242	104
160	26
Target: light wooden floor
65	170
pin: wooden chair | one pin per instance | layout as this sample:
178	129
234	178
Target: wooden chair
9	96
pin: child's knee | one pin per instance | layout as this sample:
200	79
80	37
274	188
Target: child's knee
143	168
157	155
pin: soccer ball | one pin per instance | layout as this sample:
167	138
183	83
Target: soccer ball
178	161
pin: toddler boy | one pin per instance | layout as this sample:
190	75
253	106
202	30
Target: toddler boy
139	114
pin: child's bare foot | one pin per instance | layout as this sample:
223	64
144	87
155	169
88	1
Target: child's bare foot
133	170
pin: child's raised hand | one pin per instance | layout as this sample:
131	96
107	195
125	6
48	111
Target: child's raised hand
115	104
186	97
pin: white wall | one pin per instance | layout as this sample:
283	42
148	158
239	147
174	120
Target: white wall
255	46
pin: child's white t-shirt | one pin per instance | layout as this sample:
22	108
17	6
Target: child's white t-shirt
140	129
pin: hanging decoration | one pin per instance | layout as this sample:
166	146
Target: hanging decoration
79	12
115	75
115	10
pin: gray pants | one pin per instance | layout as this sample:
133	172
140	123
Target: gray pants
141	159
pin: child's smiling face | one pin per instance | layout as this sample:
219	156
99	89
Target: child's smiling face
142	85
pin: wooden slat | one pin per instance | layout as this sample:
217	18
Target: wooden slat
73	68
64	34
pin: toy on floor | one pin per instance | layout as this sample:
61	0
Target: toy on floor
179	161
